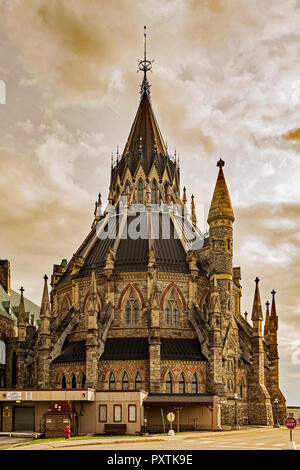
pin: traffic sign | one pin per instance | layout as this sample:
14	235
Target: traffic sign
290	423
170	417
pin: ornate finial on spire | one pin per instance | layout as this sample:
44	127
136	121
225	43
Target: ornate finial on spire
256	280
45	278
184	198
220	163
145	66
22	290
273	294
246	315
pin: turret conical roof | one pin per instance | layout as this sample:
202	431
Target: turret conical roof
220	205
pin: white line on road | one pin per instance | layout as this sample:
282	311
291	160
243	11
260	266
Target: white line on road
278	445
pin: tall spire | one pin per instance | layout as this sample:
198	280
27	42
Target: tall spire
21	315
145	65
273	317
45	307
267	320
220	205
256	310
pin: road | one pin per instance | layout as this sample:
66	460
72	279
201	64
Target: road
250	439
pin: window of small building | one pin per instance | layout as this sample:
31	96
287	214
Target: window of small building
117	413
73	381
181	383
169	383
102	413
138	381
112	381
83	380
194	384
63	382
125	384
132	413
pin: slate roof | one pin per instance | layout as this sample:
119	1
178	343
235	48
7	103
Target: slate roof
183	349
9	306
179	398
72	352
146	127
125	348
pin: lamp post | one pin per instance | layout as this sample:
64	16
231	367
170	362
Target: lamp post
236	426
276	424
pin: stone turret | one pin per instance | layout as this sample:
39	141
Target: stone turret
260	408
273	372
92	342
220	219
21	351
45	340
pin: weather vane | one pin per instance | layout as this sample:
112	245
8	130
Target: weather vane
145	66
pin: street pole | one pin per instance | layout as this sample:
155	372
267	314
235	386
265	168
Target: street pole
236	426
276	424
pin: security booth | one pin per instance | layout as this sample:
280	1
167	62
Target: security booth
59	415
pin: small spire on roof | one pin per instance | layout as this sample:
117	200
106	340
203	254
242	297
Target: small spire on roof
194	218
256	310
267	321
184	198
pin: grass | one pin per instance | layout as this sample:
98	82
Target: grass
76	438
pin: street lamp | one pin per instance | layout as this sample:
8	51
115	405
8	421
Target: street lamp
276	424
236	420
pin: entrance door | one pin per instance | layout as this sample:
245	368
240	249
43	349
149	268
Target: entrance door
23	418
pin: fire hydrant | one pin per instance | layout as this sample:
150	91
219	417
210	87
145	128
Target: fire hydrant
67	432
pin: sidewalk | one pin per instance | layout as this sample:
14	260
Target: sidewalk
155	438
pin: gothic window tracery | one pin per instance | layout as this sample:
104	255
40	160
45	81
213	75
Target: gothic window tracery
171	310
73	383
181	383
132	309
140	195
125	382
169	383
138	381
194	383
112	381
154	192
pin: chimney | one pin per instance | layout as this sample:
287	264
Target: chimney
5	275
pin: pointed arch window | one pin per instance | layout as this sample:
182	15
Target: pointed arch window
63	382
169	383
154	192
125	383
172	311
132	310
138	381
181	384
112	381
194	384
140	198
127	188
73	381
83	379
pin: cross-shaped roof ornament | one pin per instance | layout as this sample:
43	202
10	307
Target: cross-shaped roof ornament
257	280
220	163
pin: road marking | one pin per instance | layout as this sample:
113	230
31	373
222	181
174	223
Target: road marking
259	444
278	445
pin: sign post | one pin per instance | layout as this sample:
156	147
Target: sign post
171	417
291	424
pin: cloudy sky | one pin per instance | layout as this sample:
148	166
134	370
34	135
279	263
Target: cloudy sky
225	82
